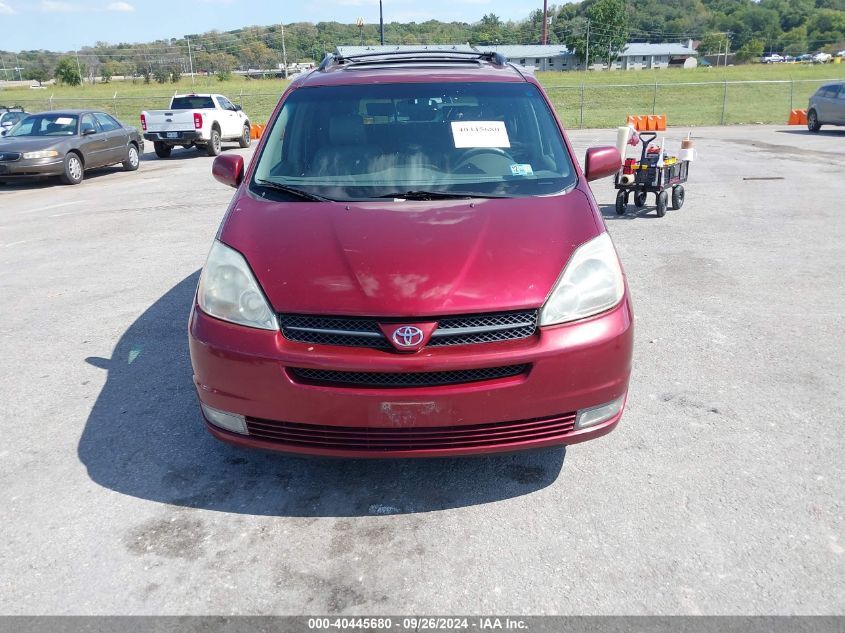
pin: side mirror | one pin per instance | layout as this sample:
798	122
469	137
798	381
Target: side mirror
88	131
237	108
601	162
228	169
3	131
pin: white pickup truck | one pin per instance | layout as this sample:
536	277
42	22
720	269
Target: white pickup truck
203	121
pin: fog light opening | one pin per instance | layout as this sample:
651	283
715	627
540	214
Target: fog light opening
597	415
228	421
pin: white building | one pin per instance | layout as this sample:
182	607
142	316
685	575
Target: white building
644	56
554	56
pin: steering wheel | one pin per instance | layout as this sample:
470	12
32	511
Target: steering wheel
468	155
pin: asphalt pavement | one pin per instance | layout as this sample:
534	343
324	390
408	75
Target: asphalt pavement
721	492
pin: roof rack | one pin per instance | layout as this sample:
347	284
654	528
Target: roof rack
16	108
412	57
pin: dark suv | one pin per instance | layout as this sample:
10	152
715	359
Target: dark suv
413	264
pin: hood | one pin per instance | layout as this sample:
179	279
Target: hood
409	258
30	143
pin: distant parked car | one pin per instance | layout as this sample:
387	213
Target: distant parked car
826	107
196	120
67	143
773	58
822	58
9	117
806	57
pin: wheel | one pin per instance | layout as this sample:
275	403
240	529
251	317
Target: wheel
813	121
677	196
662	202
162	149
214	145
620	203
639	199
467	157
73	170
132	160
246	137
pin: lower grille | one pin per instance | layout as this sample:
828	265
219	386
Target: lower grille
348	438
408	379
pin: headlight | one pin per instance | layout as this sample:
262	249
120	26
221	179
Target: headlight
228	290
47	153
591	283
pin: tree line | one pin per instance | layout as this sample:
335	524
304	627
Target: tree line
747	27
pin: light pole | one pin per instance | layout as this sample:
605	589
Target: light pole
545	22
284	52
381	20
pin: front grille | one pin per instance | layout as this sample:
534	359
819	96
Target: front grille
484	328
348	332
8	157
406	379
349	438
451	330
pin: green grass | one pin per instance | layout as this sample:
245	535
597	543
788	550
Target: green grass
630	92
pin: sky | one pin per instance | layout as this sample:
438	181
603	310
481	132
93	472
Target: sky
64	25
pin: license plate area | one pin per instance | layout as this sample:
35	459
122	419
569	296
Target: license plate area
173	135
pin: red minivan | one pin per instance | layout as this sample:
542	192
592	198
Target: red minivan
413	265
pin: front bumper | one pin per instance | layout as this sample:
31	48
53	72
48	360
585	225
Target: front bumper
32	168
191	136
571	367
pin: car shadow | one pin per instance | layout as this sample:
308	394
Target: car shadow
805	132
144	437
608	211
42	182
181	153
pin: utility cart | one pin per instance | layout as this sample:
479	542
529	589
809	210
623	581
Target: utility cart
654	173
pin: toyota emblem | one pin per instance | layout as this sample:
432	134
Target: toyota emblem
408	336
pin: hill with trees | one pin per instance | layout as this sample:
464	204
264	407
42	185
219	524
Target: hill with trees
747	27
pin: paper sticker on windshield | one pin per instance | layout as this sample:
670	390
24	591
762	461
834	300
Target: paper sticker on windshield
522	170
480	134
64	120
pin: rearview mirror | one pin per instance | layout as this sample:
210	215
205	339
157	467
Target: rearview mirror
228	169
601	162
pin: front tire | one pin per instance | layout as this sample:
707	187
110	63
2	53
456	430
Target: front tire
813	121
678	197
162	149
73	169
132	161
214	146
662	203
246	138
621	204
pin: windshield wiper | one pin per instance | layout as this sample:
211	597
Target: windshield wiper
293	191
435	195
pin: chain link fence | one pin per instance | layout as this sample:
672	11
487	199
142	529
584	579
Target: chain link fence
579	106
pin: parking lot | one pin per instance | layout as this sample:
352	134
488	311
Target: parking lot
721	492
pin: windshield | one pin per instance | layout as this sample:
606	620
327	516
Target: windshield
48	124
370	141
192	103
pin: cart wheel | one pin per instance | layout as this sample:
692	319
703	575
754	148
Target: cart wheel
677	197
662	203
621	203
639	199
